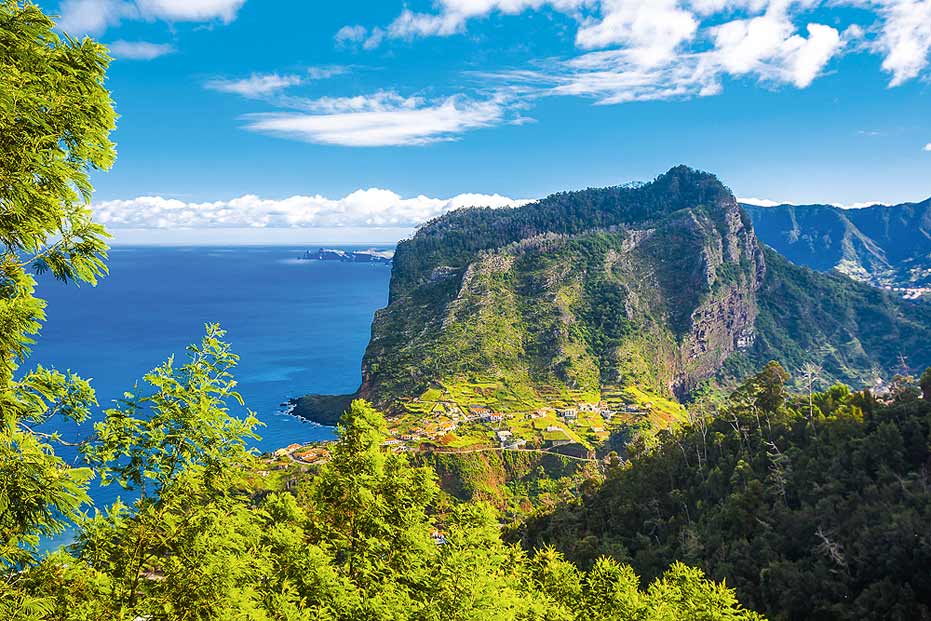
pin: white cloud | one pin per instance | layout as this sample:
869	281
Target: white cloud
326	72
650	31
79	17
454	14
760	202
765	202
382	119
351	34
928	147
140	50
93	17
906	38
190	10
256	85
371	208
768	46
683	48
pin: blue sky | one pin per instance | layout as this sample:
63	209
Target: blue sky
292	120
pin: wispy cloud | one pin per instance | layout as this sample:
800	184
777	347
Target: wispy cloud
140	50
383	119
256	85
259	85
373	207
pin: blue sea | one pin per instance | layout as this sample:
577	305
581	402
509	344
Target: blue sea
299	326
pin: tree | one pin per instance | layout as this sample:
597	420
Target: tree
925	384
370	506
55	120
183	450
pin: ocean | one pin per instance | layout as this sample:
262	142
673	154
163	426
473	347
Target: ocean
299	327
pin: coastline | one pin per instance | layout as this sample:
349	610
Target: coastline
323	410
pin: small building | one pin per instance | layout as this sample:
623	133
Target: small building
504	436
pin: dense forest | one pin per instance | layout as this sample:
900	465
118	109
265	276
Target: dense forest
811	506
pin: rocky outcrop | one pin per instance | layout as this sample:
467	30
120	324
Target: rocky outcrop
661	300
657	286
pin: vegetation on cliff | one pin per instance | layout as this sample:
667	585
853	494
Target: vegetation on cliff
584	295
812	506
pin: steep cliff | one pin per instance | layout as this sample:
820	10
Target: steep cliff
654	286
635	293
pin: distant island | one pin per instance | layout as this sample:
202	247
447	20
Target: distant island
351	256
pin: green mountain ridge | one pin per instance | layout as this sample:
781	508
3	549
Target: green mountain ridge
885	245
585	295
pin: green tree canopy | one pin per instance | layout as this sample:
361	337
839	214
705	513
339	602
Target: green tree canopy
55	119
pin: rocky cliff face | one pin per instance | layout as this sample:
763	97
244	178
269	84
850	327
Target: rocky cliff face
658	298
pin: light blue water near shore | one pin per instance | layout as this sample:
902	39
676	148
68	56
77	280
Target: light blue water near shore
299	326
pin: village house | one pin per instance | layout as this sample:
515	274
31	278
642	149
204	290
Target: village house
569	414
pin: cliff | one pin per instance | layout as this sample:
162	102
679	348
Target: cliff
625	294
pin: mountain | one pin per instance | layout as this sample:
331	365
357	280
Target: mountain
633	293
884	245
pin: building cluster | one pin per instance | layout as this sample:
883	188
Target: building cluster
314	454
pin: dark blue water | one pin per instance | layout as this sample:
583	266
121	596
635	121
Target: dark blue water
299	326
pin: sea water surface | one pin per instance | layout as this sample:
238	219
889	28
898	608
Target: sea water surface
299	327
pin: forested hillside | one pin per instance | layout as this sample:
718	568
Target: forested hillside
811	506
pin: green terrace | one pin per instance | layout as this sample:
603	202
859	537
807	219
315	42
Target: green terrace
486	414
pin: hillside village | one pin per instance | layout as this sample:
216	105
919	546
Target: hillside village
454	420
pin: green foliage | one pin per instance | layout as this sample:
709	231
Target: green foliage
855	332
182	425
55	119
809	509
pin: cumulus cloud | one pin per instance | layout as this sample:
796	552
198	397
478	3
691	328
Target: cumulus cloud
190	10
93	17
695	43
650	31
906	38
381	119
140	50
928	147
371	208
